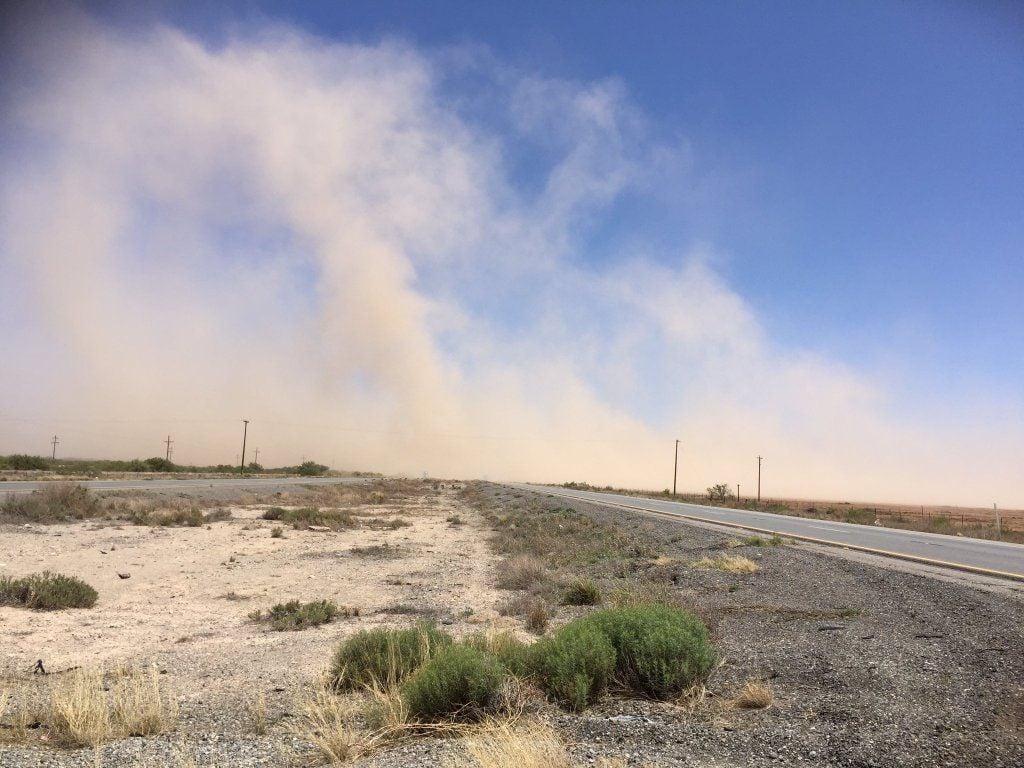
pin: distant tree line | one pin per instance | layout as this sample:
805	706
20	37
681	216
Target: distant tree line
19	461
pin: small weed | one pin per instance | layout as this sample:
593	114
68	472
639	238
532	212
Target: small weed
295	615
277	532
537	618
454	520
384	551
581	592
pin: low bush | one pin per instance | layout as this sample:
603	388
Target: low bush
47	591
295	615
581	592
659	650
458	682
574	666
384	657
651	650
508	649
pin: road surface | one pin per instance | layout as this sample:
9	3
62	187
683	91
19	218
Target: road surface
165	483
976	555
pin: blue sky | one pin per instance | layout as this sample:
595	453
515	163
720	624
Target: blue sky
675	205
864	159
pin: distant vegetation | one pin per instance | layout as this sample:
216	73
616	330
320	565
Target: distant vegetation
23	462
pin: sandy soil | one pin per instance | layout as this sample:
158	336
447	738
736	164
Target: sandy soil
186	602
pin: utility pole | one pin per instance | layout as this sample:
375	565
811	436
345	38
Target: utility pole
737	493
759	479
675	470
168	441
245	432
999	528
54	441
256	459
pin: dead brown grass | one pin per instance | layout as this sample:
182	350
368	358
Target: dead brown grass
523	572
755	694
524	745
729	563
85	707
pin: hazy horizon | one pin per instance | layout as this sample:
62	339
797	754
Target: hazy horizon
398	253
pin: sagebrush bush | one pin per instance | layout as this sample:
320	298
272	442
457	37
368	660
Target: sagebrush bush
659	650
458	682
581	592
384	657
47	591
508	649
574	666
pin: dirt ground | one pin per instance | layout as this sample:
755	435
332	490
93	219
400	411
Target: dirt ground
190	590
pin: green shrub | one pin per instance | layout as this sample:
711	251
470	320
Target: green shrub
295	615
384	657
47	592
574	666
659	650
581	592
508	649
274	513
458	682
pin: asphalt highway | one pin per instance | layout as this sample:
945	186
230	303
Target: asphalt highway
977	555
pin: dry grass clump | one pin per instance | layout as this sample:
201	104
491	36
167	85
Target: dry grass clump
581	592
83	711
508	745
304	517
523	572
644	592
55	503
537	618
729	563
325	721
755	694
